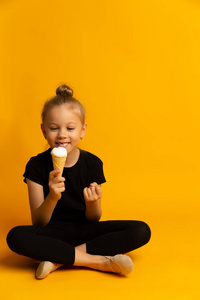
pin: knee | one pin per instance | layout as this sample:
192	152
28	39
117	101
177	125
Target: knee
14	238
144	232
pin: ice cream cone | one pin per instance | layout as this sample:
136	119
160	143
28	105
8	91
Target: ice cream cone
58	163
59	156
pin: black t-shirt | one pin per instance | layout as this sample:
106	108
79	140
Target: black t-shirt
71	206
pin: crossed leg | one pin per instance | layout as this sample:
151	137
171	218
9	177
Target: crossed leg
54	248
121	264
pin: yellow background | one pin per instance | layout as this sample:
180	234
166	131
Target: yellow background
135	65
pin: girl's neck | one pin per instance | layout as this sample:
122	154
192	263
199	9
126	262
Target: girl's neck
72	158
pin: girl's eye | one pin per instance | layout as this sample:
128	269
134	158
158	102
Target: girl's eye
53	128
70	128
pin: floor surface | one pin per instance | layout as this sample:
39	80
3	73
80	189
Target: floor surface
166	268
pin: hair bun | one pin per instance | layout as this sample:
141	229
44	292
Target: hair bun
64	90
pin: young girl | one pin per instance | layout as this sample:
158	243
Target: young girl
66	209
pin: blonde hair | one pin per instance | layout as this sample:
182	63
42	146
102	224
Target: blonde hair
64	95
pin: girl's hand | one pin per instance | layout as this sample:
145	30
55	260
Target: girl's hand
92	193
56	185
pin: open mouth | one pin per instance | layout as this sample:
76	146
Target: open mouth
62	144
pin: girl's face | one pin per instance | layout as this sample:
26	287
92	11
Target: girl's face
63	128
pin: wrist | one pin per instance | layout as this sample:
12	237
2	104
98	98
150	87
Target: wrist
93	216
93	210
52	198
91	202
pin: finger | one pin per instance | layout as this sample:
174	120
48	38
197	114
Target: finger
53	173
62	189
59	192
98	191
60	184
60	178
93	191
93	184
85	193
90	193
57	179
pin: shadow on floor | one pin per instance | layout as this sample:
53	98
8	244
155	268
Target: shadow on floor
14	261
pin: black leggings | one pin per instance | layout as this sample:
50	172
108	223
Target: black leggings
56	242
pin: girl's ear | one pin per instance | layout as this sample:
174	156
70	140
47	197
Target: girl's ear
83	130
43	130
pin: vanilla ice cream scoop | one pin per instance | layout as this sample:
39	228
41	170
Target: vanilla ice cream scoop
59	155
59	151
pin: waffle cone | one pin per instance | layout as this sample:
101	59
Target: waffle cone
58	163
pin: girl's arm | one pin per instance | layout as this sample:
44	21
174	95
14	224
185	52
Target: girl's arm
42	209
92	196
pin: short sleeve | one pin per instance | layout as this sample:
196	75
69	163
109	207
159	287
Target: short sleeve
94	169
97	174
33	171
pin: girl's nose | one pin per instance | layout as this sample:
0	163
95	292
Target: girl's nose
62	132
